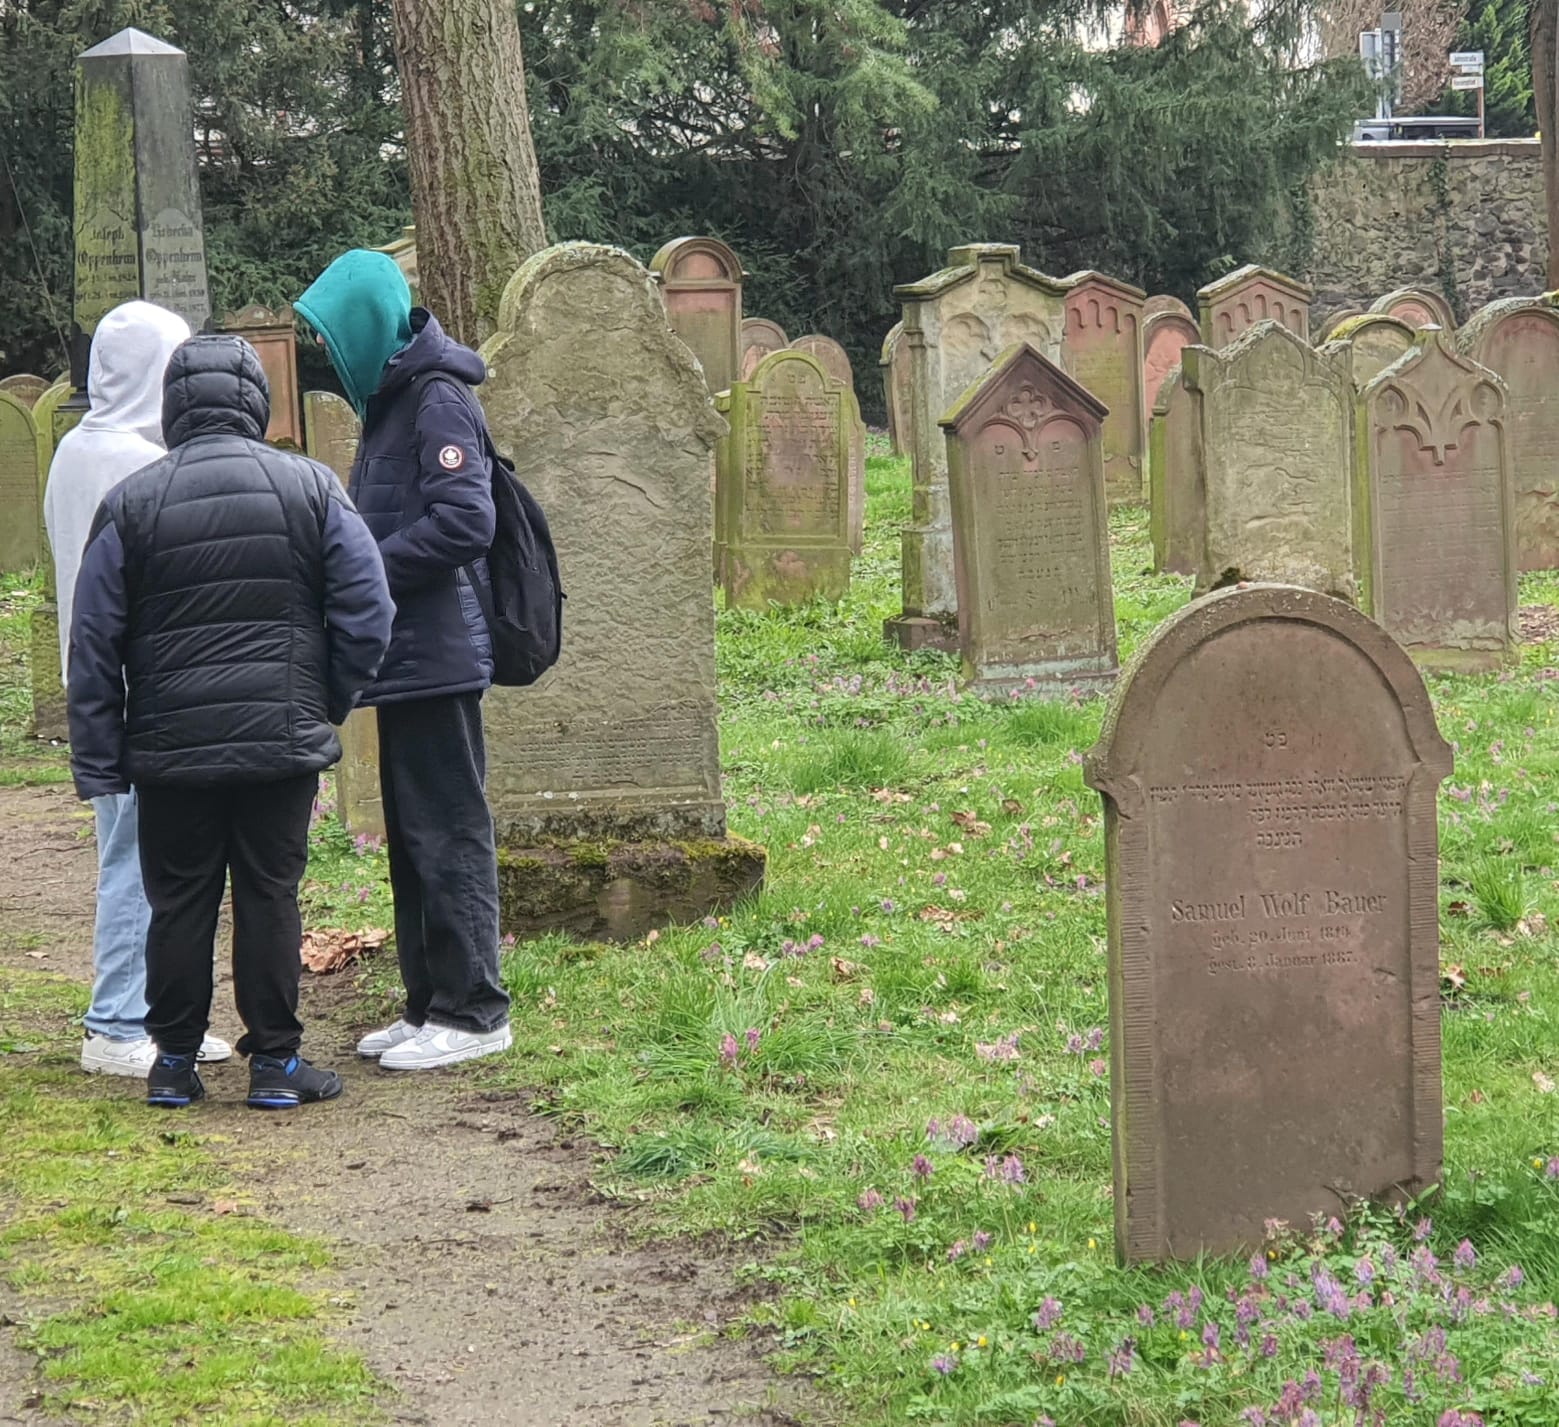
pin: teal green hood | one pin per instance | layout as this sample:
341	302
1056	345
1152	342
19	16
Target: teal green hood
361	306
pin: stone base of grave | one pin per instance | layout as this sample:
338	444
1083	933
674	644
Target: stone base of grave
912	631
786	575
1043	684
621	891
48	692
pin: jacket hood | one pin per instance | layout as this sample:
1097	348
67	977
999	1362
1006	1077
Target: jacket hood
431	349
130	352
215	386
361	306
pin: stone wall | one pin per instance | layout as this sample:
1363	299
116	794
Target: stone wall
1463	218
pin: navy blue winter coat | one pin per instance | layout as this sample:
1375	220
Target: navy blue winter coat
231	605
423	482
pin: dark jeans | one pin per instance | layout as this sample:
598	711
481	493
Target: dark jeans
443	861
191	838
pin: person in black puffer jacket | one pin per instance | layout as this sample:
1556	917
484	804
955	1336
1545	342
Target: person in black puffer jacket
231	608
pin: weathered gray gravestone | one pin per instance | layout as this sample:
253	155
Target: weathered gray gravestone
836	362
1519	339
1103	352
701	282
25	387
604	777
330	435
21	487
759	338
1276	463
1269	766
784	485
1418	307
1250	295
956	323
1369	342
1177	502
1437	508
895	388
1025	457
44	673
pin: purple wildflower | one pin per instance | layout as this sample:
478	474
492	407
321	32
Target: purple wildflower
815	942
906	1208
1003	1048
753	1037
1096	1068
1012	1171
1552	1170
870	1201
1048	1316
1465	1256
887	904
1258	1267
1067	1348
943	1364
1422	1230
1269	1346
1513	1277
921	1167
1095	1038
1364	1271
1075	1045
982	1241
1145	1315
957	1251
1123	1359
729	1050
869	941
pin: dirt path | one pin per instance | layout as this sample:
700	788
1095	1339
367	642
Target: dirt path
490	1283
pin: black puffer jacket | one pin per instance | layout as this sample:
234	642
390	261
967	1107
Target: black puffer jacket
234	590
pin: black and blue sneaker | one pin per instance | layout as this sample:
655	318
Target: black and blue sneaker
173	1082
276	1084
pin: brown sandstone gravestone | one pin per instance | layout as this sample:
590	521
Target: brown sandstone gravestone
25	387
784	485
956	323
604	776
836	362
1177	497
21	488
1250	295
1161	303
1338	318
1519	340
1437	508
330	434
271	334
701	282
1276	421
1025	457
1418	307
1269	766
759	338
1369	343
895	388
1164	336
1102	349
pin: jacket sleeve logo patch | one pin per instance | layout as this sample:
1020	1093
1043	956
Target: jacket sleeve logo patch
451	458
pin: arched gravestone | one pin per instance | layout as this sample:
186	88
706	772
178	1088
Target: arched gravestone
1418	307
1276	463
21	489
701	282
48	692
1347	314
784	485
604	776
1102	349
1164	336
956	323
1369	342
1250	295
836	362
1025	457
1161	303
1438	508
25	387
895	388
271	333
1519	340
1269	766
330	435
1177	497
759	338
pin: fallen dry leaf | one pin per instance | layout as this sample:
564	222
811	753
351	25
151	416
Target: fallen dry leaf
1012	807
1454	977
1534	924
845	970
1459	909
1543	1082
971	824
753	962
225	1206
331	949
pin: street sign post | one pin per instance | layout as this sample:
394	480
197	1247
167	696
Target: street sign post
1468	65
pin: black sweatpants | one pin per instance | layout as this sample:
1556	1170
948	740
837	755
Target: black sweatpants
443	861
191	838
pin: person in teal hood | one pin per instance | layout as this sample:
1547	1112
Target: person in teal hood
422	480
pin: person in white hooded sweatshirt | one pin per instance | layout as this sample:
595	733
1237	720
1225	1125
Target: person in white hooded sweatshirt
118	436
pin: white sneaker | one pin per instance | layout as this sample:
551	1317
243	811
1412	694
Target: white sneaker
372	1046
102	1056
213	1049
435	1046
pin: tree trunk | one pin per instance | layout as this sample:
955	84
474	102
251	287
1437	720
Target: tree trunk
1545	76
475	191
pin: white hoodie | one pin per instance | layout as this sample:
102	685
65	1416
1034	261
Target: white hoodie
121	433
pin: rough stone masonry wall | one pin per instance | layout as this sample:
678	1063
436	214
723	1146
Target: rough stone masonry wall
1464	218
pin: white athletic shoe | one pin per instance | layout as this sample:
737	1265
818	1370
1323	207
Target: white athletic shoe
372	1046
213	1049
132	1059
435	1046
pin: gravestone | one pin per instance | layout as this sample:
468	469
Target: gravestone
1164	336
895	388
1338	318
25	387
44	674
1177	497
604	776
785	485
137	201
836	362
21	487
1518	339
1269	766
402	251
759	338
1025	457
272	336
1248	296
1161	303
1370	342
1276	419
956	323
1418	307
701	282
331	431
1103	352
1437	508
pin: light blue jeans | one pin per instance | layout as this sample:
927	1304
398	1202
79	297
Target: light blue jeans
118	1008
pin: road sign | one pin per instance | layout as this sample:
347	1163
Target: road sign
1470	60
1466	81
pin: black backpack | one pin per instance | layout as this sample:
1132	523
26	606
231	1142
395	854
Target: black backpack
522	597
